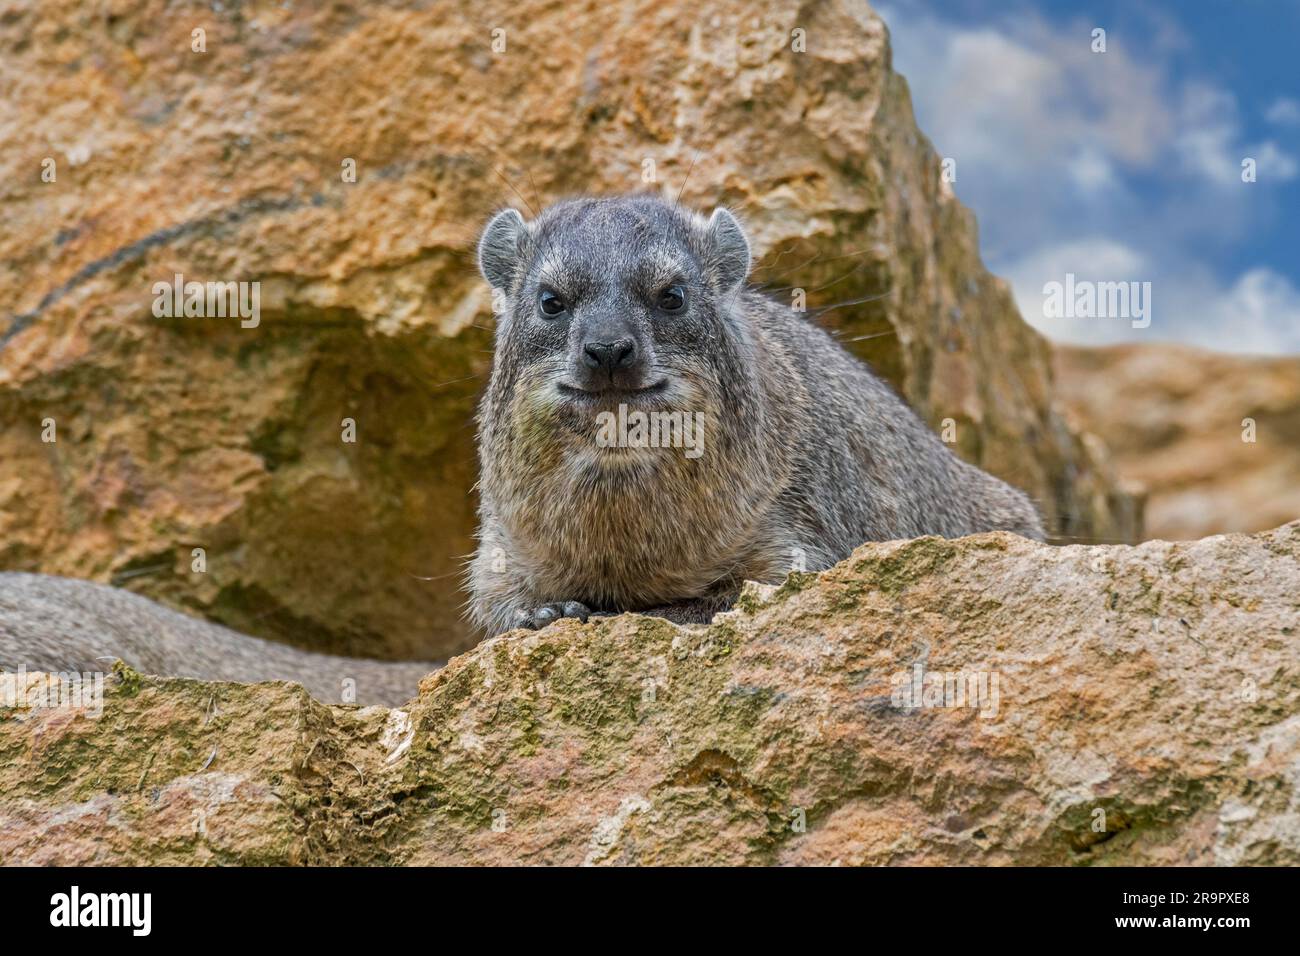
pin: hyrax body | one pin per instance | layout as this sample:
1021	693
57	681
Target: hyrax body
799	453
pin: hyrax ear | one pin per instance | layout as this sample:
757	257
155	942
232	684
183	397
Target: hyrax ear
501	246
730	245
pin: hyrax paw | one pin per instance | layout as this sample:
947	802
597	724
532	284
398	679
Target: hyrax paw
535	618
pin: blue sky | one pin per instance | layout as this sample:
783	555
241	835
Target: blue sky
1124	165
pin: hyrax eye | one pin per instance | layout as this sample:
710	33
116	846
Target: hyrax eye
550	303
672	299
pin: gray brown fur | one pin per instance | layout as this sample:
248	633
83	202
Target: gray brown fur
808	454
64	625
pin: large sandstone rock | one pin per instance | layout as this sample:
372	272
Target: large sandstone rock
1212	440
176	434
1142	707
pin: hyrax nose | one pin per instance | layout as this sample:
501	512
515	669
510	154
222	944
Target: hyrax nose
610	356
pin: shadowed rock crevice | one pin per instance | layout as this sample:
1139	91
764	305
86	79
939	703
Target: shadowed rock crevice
351	547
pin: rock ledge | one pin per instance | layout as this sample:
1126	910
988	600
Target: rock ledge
1140	705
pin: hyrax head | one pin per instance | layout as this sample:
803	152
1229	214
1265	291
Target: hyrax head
610	301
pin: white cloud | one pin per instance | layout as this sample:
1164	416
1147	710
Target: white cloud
1032	94
1273	163
1056	147
1209	143
1283	111
1092	171
1095	259
1258	313
1208	129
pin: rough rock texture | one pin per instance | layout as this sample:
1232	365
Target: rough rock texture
1175	418
1147	711
175	434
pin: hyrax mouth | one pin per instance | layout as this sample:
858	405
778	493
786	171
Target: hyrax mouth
613	395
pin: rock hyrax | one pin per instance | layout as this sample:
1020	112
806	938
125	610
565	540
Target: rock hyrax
656	431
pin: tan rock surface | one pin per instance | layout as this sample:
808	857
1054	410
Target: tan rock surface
1174	419
175	434
1147	711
